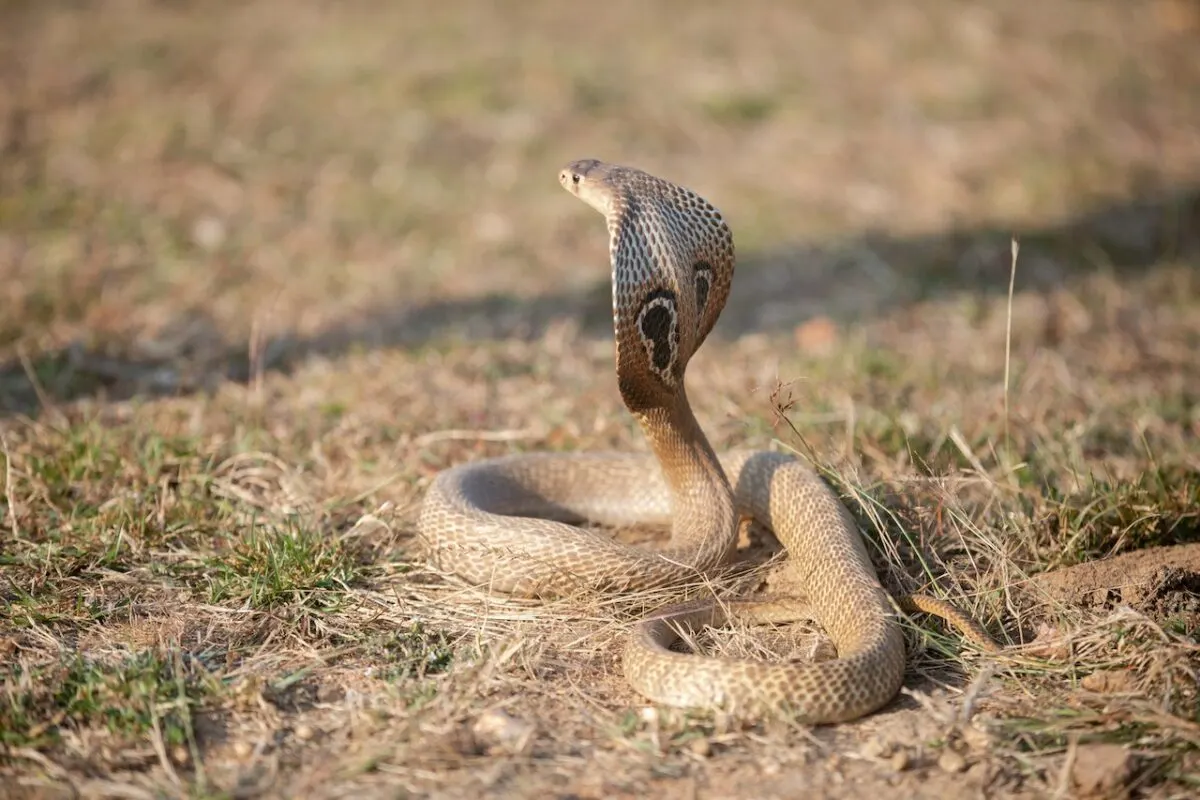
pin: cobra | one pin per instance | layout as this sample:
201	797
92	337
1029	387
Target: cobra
512	523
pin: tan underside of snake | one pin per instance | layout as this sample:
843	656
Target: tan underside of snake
510	523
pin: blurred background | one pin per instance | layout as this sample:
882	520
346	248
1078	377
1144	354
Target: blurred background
192	191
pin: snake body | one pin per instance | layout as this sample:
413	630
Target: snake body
510	523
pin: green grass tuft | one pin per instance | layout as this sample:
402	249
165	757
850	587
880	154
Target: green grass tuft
130	697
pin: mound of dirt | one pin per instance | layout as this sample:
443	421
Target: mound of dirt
1160	581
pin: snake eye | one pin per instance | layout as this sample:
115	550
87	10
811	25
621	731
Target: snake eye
575	178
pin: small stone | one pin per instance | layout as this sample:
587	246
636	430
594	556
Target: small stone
875	748
1048	643
700	747
304	732
900	760
208	233
1107	681
975	738
180	755
1102	770
243	749
951	761
499	731
980	773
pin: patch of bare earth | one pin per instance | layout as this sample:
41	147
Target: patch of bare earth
266	268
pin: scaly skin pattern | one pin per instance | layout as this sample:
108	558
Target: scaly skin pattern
510	523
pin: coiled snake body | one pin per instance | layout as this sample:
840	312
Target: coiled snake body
508	522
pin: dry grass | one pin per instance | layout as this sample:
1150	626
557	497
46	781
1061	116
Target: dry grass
266	271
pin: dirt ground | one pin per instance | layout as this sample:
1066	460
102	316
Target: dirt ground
267	267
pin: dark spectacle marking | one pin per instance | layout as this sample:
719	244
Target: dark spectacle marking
703	283
655	323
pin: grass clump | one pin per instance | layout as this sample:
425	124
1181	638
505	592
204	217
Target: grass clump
268	567
130	697
1160	507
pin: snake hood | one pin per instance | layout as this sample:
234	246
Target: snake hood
672	261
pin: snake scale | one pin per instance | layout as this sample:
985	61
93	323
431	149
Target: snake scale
511	523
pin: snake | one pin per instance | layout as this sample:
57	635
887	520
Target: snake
516	523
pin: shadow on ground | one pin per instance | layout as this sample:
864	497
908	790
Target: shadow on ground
775	289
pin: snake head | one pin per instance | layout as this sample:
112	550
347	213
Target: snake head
594	182
672	266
